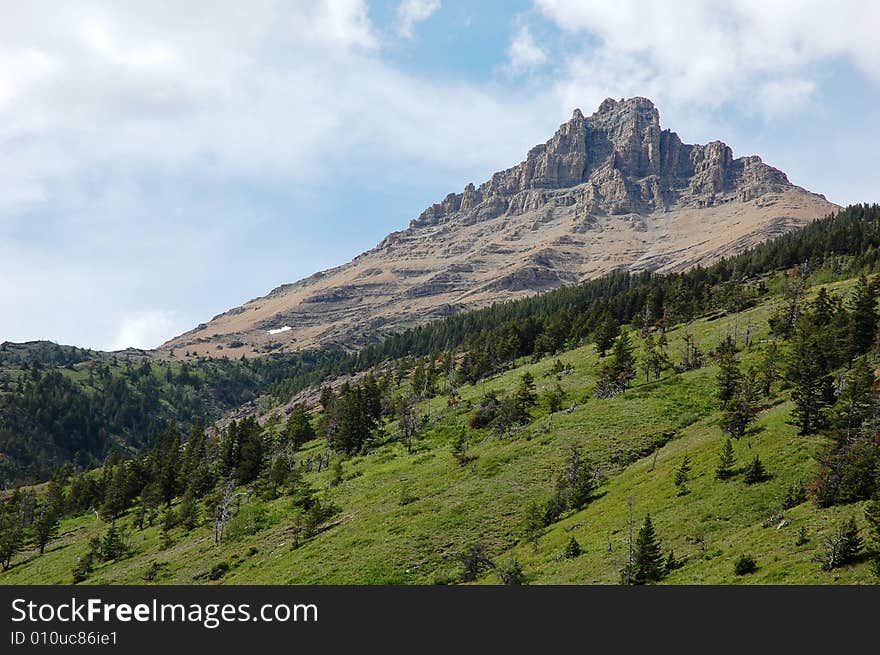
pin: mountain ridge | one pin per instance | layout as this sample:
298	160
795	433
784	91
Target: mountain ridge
607	192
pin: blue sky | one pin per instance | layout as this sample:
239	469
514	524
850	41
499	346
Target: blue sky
162	162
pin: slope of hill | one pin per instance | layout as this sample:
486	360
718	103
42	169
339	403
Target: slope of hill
610	191
408	517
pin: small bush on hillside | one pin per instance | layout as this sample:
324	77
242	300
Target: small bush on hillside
744	565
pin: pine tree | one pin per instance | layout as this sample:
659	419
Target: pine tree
45	526
769	368
741	409
555	398
251	451
810	377
616	374
725	462
755	472
729	376
116	493
166	463
623	362
113	546
682	476
573	549
47	523
606	333
662	362
856	404
648	555
229	449
409	422
11	529
525	393
863	318
299	428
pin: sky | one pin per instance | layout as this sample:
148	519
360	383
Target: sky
161	162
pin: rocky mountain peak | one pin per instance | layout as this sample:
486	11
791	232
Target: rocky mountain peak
608	191
622	161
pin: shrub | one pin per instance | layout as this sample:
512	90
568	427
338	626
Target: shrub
511	573
83	567
218	570
744	565
475	560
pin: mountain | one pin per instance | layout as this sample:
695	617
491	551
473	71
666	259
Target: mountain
610	191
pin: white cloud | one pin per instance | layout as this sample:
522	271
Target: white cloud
523	53
141	147
145	329
709	52
779	98
410	12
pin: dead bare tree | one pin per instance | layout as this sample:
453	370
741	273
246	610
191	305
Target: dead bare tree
223	511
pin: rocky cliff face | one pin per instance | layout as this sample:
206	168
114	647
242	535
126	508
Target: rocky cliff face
608	191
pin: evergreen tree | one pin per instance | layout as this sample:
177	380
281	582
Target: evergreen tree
11	529
741	408
409	423
810	377
526	397
755	472
606	333
166	463
863	318
229	449
251	451
278	474
729	376
725	462
555	398
662	361
195	473
857	403
623	362
647	555
573	549
188	512
299	428
113	546
682	476
616	374
116	499
45	526
769	368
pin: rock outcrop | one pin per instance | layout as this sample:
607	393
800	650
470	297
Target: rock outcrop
609	191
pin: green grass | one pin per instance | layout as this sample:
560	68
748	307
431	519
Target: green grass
406	518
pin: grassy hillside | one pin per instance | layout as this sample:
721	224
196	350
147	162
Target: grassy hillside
407	517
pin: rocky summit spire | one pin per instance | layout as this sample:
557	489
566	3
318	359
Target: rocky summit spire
608	191
627	163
